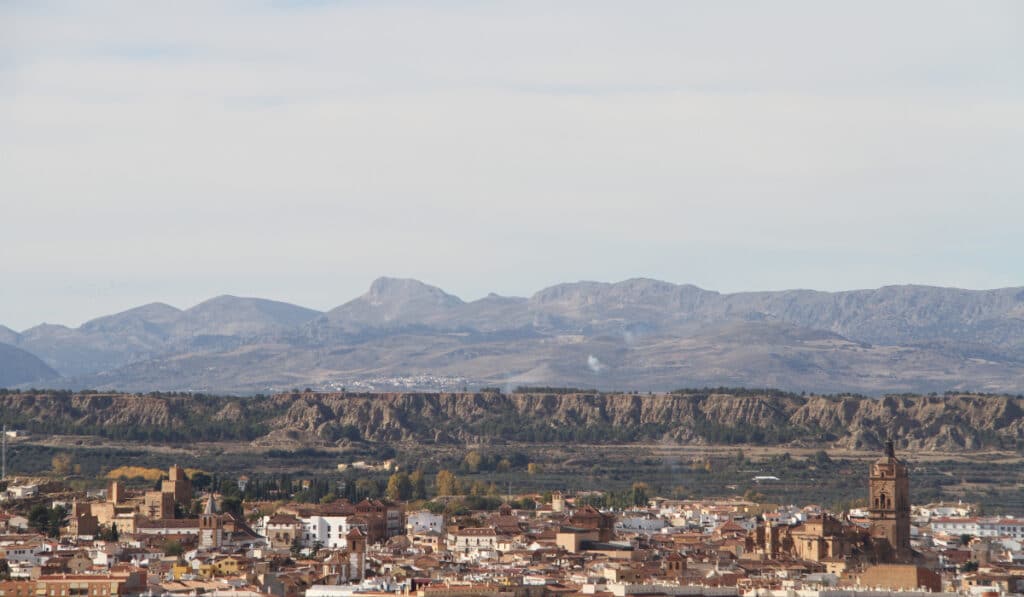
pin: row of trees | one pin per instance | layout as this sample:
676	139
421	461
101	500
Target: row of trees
637	495
402	486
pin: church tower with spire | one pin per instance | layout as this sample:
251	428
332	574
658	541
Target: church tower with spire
889	504
211	527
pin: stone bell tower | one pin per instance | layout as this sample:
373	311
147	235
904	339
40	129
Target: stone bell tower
211	526
889	505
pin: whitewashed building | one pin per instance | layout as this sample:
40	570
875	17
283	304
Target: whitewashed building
329	531
423	521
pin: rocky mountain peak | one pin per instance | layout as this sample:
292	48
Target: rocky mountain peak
635	292
397	291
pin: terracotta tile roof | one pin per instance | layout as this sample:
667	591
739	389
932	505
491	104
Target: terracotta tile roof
283	519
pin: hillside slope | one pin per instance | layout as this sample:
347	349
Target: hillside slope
20	367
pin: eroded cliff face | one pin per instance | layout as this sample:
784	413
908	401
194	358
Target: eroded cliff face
528	417
915	422
87	410
918	422
131	417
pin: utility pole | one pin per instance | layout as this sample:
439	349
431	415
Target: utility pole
3	474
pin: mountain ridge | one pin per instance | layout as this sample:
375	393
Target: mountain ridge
638	333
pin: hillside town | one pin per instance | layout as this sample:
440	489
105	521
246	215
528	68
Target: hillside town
173	539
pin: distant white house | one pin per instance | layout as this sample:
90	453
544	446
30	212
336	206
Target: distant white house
424	521
361	465
329	531
19	492
640	524
473	543
96	493
30	553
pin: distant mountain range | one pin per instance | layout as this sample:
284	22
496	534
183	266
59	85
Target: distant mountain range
638	334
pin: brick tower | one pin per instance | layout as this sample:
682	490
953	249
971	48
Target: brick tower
889	505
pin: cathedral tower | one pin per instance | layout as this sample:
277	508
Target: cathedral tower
889	504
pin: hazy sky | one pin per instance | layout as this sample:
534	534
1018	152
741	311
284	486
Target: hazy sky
179	150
